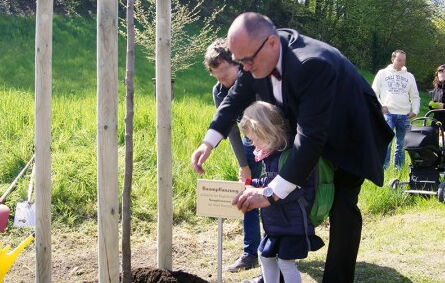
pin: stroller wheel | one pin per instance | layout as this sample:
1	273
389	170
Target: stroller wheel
394	183
441	192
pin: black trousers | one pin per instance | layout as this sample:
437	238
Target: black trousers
345	229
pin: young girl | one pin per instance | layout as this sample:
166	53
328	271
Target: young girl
289	235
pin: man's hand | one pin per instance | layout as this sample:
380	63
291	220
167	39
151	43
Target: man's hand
249	199
200	156
385	110
411	115
244	173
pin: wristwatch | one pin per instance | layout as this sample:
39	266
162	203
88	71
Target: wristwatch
268	193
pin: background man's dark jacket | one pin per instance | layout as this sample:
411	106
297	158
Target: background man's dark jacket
332	108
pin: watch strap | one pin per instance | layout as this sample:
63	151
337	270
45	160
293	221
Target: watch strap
271	200
269	195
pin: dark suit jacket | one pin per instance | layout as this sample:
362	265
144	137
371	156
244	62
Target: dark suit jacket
331	107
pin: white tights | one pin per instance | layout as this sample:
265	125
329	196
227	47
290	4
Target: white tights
271	267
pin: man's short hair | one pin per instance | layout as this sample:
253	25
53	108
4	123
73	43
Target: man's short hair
216	53
398	51
258	26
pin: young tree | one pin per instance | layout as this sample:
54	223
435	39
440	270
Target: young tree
191	33
128	175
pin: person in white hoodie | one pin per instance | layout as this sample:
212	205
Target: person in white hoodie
397	92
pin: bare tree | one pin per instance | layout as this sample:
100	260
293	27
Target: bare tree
128	175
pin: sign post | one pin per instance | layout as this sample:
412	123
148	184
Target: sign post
214	199
220	250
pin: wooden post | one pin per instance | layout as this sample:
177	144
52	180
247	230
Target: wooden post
163	132
107	168
220	250
43	78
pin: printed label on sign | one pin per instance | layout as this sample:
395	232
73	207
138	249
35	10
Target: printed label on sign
214	198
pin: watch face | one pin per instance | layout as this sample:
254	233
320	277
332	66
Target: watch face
268	192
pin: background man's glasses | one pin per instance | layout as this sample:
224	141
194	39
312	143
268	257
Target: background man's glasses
249	60
440	71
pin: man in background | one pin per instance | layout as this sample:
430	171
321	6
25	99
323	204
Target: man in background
397	92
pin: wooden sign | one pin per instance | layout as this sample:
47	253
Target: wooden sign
214	198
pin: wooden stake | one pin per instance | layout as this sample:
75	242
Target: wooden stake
43	79
107	168
163	132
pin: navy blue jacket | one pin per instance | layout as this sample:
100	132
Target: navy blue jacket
219	92
285	217
332	109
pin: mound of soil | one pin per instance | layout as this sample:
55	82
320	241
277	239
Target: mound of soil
156	275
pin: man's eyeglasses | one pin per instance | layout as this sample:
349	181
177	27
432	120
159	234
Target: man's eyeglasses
249	60
440	71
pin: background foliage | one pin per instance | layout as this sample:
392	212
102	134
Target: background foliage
366	31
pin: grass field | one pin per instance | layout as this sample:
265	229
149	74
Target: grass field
74	121
74	141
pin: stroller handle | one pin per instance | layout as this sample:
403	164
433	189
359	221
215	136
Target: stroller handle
425	119
431	119
437	122
433	111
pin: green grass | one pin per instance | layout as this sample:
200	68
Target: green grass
74	128
74	122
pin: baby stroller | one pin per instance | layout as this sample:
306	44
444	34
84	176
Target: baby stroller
425	146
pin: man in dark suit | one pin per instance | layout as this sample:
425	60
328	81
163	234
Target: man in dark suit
333	111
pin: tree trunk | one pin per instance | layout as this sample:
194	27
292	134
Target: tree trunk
128	175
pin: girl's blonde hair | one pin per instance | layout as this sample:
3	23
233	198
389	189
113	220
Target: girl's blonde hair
265	122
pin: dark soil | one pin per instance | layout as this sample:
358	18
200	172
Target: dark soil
155	275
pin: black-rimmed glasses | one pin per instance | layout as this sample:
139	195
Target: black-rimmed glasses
249	60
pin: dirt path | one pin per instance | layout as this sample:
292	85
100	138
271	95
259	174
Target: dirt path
399	248
74	254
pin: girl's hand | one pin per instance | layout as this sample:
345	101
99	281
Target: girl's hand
244	173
